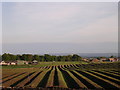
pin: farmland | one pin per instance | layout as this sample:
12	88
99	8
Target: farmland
63	75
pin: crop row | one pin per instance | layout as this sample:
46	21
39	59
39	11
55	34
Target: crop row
65	76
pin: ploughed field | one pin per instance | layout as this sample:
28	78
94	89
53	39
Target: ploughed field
73	76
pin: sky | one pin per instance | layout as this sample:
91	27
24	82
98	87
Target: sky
0	28
61	27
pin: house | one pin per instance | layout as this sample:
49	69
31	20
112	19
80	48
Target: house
95	60
13	63
7	63
3	63
85	59
21	62
34	62
103	59
113	59
26	62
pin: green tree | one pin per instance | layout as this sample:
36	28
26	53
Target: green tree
112	56
24	57
69	58
36	57
27	57
41	58
0	57
12	57
5	57
46	57
18	57
76	57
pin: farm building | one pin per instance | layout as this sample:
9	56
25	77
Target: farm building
26	62
3	63
34	62
13	63
103	59
8	63
95	60
21	62
85	59
113	59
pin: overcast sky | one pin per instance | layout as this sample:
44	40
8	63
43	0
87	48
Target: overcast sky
60	27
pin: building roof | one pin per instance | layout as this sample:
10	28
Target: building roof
34	61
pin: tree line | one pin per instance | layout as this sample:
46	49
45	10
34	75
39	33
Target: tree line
45	57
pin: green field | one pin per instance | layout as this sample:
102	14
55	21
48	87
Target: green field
62	75
42	64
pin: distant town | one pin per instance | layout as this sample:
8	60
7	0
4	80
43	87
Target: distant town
25	59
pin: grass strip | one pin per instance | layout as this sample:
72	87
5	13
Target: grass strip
61	80
50	82
37	80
